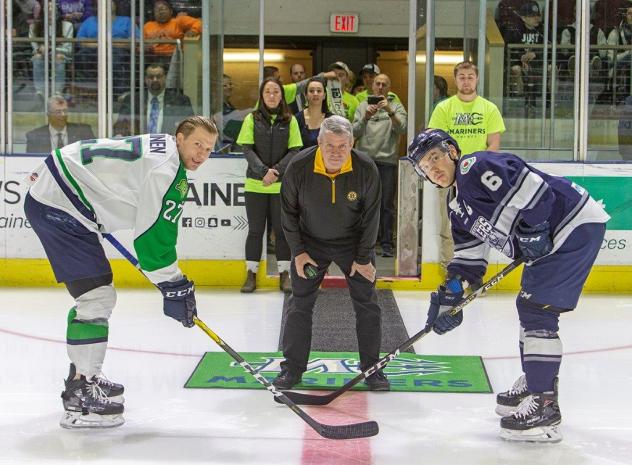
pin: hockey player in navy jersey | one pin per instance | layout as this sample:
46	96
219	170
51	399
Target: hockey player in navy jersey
502	202
100	186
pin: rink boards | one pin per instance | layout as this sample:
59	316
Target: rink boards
214	228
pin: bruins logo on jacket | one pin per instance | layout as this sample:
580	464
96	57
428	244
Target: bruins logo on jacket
352	196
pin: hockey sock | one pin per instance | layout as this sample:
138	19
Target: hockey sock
252	266
542	359
86	343
283	265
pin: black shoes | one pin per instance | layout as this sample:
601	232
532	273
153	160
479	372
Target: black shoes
387	250
287	379
378	382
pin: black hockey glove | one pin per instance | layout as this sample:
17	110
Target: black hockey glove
441	302
179	300
534	241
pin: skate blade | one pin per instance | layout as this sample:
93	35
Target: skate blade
76	420
550	434
505	410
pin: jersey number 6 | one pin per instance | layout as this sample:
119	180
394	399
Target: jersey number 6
491	181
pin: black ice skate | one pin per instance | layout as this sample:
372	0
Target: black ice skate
112	390
537	419
87	406
508	401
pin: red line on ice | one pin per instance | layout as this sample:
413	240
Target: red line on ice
178	354
352	408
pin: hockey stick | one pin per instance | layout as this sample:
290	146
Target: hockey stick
351	431
315	399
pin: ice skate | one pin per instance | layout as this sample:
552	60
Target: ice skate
113	391
87	406
507	402
537	419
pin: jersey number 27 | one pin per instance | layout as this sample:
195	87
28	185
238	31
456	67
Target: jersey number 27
112	148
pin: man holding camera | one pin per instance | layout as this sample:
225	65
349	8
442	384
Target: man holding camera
330	198
378	125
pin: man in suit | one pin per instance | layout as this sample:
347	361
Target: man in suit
58	132
164	108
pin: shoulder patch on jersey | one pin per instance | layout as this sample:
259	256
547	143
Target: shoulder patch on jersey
467	164
182	187
578	188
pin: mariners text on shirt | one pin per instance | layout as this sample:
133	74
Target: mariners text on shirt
466	131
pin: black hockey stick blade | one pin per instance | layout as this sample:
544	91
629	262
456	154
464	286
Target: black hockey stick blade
301	398
351	431
354	431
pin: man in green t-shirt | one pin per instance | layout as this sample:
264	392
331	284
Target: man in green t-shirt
475	123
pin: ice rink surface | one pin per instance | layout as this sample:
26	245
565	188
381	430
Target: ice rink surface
153	357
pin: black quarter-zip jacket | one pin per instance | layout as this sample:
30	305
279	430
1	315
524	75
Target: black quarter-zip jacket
339	210
270	149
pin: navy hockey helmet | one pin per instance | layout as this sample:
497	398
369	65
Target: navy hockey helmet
424	142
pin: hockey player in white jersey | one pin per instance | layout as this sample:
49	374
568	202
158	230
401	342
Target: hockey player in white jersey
100	186
504	203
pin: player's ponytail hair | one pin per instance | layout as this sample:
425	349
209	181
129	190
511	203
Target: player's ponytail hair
188	125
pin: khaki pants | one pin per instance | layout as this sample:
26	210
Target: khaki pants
446	246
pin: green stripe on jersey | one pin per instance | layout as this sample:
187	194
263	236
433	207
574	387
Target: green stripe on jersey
156	247
72	180
81	332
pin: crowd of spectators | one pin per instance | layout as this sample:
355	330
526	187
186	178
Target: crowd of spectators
62	29
521	23
86	55
72	27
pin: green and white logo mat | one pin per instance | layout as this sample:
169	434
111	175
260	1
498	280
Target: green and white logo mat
330	370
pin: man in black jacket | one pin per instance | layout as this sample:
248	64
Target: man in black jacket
163	110
330	199
58	132
526	64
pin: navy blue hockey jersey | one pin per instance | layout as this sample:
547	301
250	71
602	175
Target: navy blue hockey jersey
493	192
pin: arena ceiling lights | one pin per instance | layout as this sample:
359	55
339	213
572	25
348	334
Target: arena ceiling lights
268	57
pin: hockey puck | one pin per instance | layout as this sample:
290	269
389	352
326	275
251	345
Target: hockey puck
310	271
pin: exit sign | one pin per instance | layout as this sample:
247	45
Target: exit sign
344	23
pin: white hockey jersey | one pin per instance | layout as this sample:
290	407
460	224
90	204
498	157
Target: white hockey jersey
133	183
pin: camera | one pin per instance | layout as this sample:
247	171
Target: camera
374	99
